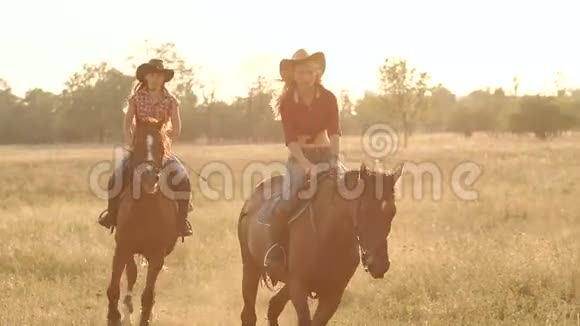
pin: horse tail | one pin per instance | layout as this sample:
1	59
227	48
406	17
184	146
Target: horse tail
243	234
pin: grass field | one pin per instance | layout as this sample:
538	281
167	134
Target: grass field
511	257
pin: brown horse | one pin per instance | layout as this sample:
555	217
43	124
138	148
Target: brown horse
345	217
146	222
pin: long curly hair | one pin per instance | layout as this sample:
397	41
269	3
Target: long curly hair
279	95
287	88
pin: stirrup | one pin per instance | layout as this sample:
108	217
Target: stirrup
102	216
188	230
267	255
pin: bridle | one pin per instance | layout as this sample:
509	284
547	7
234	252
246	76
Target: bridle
362	251
149	164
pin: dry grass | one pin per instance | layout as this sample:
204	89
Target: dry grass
511	257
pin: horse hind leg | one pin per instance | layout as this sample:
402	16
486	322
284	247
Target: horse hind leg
250	273
250	281
148	296
276	305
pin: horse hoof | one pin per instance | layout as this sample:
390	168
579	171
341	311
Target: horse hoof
145	321
128	303
127	320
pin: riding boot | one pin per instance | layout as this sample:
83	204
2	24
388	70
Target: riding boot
183	227
276	255
108	218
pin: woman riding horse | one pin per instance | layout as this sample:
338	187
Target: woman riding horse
310	120
151	100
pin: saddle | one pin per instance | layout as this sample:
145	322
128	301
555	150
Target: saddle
128	178
266	211
297	205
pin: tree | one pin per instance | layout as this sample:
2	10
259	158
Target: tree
368	109
38	113
441	105
560	84
461	120
516	84
349	119
541	116
208	94
96	94
486	107
258	112
9	108
185	79
346	106
406	88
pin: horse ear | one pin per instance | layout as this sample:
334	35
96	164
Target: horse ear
351	178
397	172
363	169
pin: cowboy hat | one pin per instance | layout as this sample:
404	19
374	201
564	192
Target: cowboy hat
287	65
154	65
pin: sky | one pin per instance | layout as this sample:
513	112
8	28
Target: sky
465	45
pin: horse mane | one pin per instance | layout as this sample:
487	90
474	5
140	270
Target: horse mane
156	127
370	179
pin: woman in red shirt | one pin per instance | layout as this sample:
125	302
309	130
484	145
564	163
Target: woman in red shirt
310	120
151	99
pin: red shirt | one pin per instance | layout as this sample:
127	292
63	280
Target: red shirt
298	119
146	107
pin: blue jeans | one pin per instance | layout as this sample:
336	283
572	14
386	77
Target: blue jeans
180	186
178	178
293	179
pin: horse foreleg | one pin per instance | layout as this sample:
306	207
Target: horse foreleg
250	281
148	296
131	273
327	305
276	305
299	296
114	290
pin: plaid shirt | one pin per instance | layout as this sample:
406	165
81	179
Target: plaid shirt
146	107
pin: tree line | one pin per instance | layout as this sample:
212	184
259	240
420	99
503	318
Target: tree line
90	108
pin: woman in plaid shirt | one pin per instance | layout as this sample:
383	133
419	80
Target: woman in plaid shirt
152	100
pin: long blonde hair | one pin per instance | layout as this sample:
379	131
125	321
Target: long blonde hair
280	94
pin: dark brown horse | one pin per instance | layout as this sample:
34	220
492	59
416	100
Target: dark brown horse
347	216
146	222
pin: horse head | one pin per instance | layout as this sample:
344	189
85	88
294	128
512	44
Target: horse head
150	150
373	210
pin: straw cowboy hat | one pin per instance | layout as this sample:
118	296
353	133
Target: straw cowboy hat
287	65
154	65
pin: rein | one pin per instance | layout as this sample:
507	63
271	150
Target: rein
354	220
